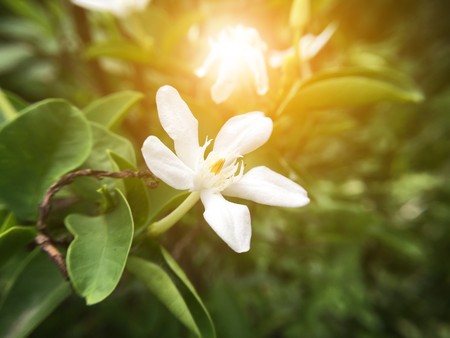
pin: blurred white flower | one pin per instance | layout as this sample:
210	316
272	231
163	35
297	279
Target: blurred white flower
236	50
309	46
222	171
120	8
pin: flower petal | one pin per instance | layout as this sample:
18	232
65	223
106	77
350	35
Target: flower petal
230	221
243	133
178	121
225	83
166	165
265	186
310	45
257	65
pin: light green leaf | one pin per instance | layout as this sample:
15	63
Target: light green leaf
195	303
165	199
97	256
31	287
299	14
350	88
162	286
46	141
137	193
119	49
177	30
110	110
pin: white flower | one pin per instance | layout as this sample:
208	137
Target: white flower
221	173
309	46
120	8
237	50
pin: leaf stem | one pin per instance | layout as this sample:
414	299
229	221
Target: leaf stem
161	226
8	110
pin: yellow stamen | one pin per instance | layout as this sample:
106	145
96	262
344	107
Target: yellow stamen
217	167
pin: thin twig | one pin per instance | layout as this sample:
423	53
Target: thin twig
42	239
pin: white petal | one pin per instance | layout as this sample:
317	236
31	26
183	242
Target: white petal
95	4
277	58
230	221
166	165
310	45
243	133
265	186
203	69
225	83
178	121
257	65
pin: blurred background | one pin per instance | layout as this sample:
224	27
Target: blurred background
366	258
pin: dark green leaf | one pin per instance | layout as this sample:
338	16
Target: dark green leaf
137	193
31	286
195	303
44	142
160	284
97	256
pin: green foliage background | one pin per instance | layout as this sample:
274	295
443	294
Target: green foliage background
366	258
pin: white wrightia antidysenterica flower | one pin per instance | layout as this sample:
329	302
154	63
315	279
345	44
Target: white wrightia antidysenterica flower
120	8
309	46
237	51
221	172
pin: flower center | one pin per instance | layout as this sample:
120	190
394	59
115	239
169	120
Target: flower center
218	171
217	167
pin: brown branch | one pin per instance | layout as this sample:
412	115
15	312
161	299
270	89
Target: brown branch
42	239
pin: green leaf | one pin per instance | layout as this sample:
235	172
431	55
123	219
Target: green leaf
97	256
195	303
162	286
8	222
350	88
105	141
299	14
31	287
10	105
30	11
119	49
110	110
137	193
46	141
178	30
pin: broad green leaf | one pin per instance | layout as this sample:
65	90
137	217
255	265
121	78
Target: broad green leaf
110	110
105	141
46	141
137	193
350	88
97	255
162	286
195	303
31	285
119	49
